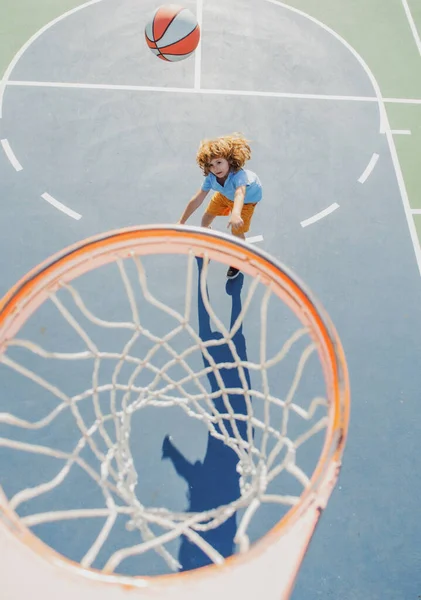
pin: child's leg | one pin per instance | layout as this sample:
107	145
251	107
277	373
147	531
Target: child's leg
233	271
207	219
246	215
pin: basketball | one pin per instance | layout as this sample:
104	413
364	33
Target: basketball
173	33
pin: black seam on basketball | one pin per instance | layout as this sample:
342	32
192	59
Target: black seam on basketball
153	45
178	41
172	54
166	28
160	54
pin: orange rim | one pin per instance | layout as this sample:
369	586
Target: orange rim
23	299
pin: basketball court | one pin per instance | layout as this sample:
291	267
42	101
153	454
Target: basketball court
98	134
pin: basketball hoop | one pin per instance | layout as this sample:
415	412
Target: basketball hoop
262	449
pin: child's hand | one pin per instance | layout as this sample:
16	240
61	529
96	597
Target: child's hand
235	221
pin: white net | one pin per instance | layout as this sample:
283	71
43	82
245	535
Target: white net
247	422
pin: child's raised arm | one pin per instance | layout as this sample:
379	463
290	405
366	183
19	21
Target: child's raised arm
193	205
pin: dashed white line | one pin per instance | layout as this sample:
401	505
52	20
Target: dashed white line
412	25
62	207
320	215
378	99
11	155
369	168
400	132
254	239
198	52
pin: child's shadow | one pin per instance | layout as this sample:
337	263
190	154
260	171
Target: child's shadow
215	481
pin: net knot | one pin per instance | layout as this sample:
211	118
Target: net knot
137	519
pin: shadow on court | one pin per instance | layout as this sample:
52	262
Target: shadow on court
215	481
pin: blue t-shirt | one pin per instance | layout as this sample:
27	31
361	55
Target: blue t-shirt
232	182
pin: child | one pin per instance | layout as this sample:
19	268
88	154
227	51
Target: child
237	190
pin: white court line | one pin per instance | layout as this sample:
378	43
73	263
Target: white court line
384	123
369	168
62	207
416	211
254	239
28	43
404	196
402	100
11	155
180	90
355	54
400	131
198	53
412	25
320	215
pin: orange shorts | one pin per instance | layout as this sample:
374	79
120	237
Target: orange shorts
220	206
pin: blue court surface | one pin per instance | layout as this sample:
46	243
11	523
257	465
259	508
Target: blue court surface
102	135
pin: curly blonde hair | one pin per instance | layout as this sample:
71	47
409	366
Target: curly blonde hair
234	148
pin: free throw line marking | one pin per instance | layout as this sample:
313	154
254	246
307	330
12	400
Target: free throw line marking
254	239
180	90
369	168
11	155
147	88
62	207
412	25
320	215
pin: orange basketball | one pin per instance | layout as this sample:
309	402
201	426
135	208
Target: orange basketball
173	33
